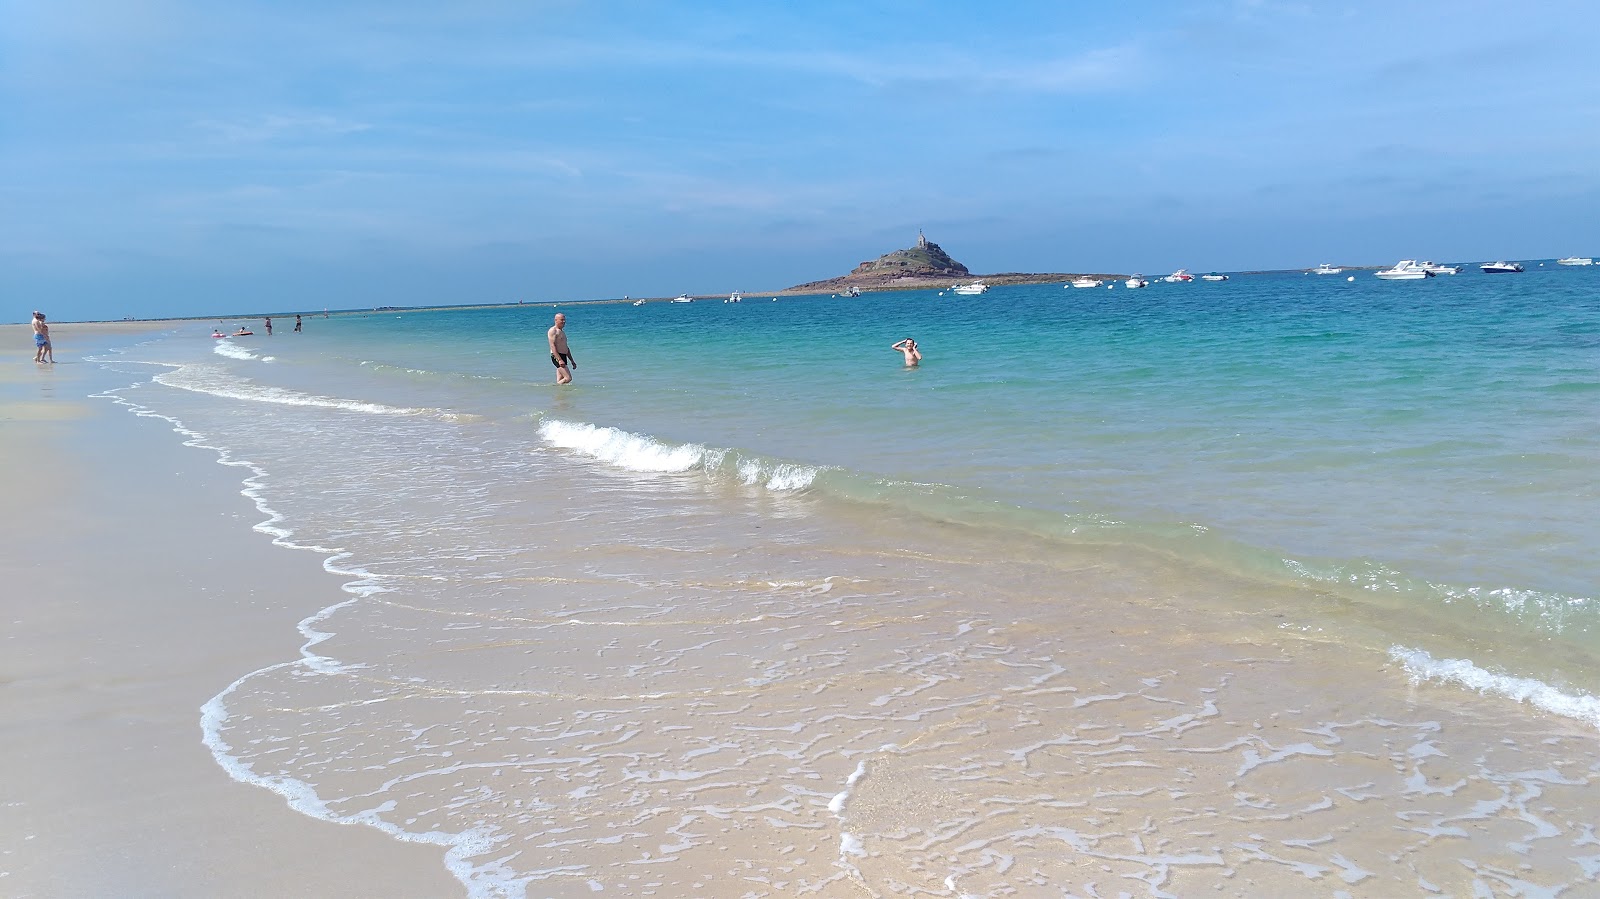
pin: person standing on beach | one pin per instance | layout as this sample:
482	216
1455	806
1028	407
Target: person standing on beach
909	348
560	353
297	323
269	327
42	351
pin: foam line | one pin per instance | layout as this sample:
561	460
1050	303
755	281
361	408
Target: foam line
1462	672
641	453
489	879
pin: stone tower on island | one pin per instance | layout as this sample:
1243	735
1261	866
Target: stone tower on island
912	267
923	260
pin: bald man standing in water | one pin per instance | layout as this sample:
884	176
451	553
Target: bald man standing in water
560	353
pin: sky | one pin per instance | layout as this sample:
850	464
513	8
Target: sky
171	158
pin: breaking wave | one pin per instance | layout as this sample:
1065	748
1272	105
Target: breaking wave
637	452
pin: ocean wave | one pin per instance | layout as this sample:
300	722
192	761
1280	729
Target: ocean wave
234	350
1380	589
385	368
641	453
1539	610
213	380
1421	666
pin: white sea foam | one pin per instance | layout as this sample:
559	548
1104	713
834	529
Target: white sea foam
836	805
1423	667
491	879
210	379
621	448
641	453
488	878
233	350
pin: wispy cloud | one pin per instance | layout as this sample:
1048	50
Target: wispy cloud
1095	69
273	127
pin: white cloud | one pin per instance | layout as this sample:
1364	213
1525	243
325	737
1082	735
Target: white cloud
271	127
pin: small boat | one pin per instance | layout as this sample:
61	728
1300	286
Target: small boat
1405	270
972	289
1326	269
1213	277
1575	260
734	297
1437	269
1181	276
1085	282
1500	268
638	302
683	298
1135	281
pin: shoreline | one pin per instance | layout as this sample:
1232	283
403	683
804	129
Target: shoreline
137	591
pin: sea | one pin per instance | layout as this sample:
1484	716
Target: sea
1284	584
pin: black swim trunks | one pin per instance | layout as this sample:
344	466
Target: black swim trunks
562	361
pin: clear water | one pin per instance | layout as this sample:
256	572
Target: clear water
1433	440
796	580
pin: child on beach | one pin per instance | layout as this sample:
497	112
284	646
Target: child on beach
909	347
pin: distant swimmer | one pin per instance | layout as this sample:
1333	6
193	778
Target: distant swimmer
42	350
269	327
909	347
297	323
560	353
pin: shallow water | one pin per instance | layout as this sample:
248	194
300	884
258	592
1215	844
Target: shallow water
1136	592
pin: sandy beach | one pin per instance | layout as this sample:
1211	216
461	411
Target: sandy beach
586	655
120	623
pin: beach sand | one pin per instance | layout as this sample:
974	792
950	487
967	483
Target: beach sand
135	590
692	692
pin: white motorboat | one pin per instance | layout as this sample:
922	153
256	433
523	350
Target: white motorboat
1181	276
1405	270
1135	281
1437	269
638	302
1500	268
1575	260
683	298
734	297
1085	282
1213	277
972	289
1326	269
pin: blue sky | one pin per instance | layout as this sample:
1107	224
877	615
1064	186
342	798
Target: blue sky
164	157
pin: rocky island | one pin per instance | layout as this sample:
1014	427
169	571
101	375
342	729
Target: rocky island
922	266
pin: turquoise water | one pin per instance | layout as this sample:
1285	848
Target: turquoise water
1435	440
751	593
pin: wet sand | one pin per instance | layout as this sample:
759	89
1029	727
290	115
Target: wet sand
700	695
135	591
